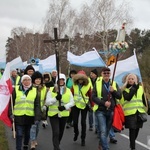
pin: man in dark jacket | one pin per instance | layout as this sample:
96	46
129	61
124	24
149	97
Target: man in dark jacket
104	95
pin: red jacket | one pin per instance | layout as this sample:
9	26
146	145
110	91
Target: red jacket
118	118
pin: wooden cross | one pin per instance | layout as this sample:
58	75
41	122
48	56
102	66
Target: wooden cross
56	41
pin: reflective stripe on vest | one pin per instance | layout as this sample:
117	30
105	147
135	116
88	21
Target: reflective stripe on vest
53	109
136	103
24	105
43	94
78	99
17	80
99	90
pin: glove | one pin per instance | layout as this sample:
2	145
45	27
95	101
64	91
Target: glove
61	108
136	86
59	96
36	122
44	108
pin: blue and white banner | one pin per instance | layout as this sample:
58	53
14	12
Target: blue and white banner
88	59
2	63
124	67
45	65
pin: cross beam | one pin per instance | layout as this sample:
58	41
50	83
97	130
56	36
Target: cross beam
56	41
56	38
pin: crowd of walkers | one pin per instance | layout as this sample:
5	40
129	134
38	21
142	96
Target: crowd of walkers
41	98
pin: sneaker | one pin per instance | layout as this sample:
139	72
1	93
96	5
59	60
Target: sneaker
32	145
44	123
113	140
36	143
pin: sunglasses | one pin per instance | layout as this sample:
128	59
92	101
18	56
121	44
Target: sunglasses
106	72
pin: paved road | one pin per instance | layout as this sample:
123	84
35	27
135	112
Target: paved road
45	142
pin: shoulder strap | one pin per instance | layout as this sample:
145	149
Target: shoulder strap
82	95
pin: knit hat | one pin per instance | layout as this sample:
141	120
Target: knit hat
25	77
29	67
37	75
94	71
81	72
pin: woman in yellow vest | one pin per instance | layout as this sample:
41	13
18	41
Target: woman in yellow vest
82	96
57	113
37	80
26	110
133	103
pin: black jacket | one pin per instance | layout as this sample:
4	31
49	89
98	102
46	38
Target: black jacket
101	102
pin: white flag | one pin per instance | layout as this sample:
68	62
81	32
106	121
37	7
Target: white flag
124	67
5	92
48	64
88	59
16	63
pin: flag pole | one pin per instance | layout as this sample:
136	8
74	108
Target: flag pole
13	124
113	76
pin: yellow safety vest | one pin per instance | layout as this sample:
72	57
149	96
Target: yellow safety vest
24	105
17	80
90	82
99	90
78	97
43	96
136	103
53	109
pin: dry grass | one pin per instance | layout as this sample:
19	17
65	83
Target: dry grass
3	139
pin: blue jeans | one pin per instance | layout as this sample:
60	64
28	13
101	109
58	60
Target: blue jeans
111	133
20	132
104	119
34	131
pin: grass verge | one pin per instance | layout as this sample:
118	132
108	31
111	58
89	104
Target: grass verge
3	139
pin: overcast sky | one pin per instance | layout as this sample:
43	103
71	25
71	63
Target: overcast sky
30	14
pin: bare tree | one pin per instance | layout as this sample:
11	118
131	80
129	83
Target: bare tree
26	44
107	15
60	15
